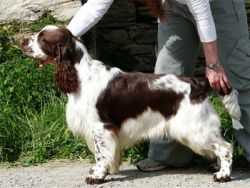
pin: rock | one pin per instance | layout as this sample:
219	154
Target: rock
28	10
121	14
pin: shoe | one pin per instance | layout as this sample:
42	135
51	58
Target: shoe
149	165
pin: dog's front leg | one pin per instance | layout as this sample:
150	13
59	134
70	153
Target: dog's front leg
107	156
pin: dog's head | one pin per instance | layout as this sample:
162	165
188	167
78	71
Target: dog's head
58	46
52	45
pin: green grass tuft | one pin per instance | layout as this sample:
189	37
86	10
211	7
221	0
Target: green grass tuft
49	137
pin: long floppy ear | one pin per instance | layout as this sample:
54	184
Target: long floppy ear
59	53
66	73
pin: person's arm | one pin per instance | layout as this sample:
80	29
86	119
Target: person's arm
201	11
206	29
88	15
214	71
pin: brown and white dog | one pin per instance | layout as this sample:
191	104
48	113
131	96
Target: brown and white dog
114	110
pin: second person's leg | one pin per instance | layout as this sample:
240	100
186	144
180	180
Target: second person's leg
178	47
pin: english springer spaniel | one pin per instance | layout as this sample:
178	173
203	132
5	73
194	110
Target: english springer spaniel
114	110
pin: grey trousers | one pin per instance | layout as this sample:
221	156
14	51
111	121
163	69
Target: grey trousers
178	46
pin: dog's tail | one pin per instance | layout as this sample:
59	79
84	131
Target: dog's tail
231	104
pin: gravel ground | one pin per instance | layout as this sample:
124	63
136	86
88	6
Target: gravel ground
72	174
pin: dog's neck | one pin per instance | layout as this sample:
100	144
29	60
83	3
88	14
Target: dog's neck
85	55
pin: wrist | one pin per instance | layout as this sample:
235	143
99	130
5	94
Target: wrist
211	52
213	66
212	60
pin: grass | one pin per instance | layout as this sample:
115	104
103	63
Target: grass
32	120
48	136
32	127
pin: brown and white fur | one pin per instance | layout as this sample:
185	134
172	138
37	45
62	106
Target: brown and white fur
114	110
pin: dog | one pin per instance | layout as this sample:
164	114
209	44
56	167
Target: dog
113	109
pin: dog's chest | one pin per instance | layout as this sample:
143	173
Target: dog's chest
81	113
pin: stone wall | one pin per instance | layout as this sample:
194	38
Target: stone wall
27	10
126	37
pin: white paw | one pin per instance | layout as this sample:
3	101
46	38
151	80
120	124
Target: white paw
222	177
91	179
96	175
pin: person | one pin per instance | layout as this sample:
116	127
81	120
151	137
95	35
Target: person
220	27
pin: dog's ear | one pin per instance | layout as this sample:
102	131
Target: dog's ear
66	51
66	73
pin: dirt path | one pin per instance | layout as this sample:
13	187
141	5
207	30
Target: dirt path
71	175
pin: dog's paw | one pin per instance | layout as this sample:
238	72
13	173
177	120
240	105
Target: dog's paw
93	180
218	177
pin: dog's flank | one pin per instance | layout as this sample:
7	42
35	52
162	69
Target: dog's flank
114	110
132	95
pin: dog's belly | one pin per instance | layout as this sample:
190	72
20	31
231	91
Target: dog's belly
149	124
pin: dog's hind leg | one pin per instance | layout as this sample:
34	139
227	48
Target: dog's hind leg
204	138
224	153
107	156
214	146
201	134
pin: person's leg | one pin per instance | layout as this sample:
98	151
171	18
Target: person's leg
178	46
243	136
234	47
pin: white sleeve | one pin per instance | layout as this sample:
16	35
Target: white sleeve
88	15
204	20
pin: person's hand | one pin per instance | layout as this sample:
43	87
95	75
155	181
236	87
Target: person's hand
217	78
